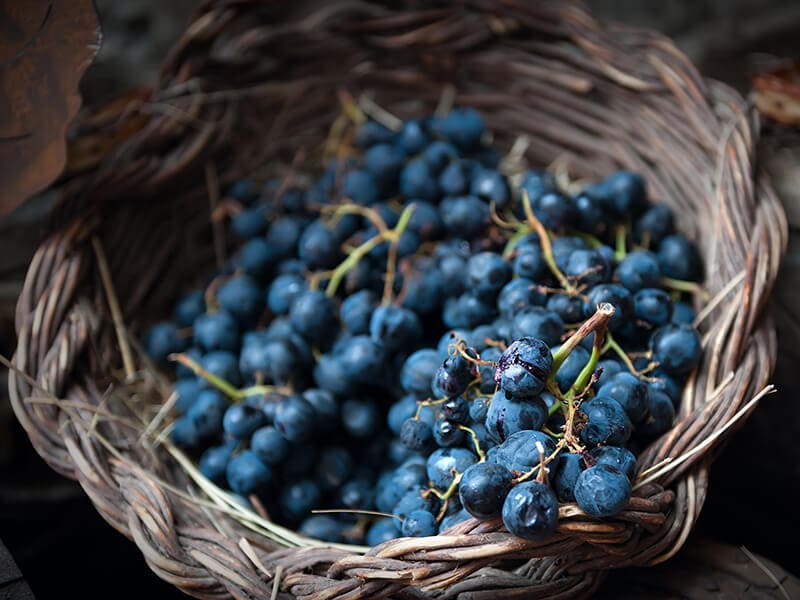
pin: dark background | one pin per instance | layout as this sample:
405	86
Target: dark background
63	547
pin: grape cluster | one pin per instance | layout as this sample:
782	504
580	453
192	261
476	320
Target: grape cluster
417	334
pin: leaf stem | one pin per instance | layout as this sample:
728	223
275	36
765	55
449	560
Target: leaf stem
356	209
358	253
578	388
237	394
421	403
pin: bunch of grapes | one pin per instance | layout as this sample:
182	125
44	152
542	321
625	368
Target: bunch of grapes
421	334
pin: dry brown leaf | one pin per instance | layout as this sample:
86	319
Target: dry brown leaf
45	46
777	93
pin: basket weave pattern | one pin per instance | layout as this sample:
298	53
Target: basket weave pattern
251	83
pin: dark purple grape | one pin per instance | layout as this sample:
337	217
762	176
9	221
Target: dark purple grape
524	367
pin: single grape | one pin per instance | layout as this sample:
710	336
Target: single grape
360	418
241	421
677	348
629	391
247	474
269	445
416	434
606	422
617	457
322	527
602	491
569	467
420	523
381	531
523	368
295	419
445	462
507	416
639	270
530	511
483	488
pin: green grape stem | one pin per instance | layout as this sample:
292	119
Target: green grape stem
429	402
357	254
338	211
351	262
514	241
544	240
597	323
621	250
223	386
475	441
585	376
391	260
613	345
680	285
445	497
593	241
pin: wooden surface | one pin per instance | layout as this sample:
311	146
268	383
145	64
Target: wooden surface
12	584
705	570
45	46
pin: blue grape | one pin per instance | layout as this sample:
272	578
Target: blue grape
444	462
530	511
241	420
524	367
216	331
269	445
629	391
360	418
602	491
678	258
283	291
420	523
569	467
483	489
381	531
618	457
295	419
677	348
606	422
639	270
322	527
507	416
246	474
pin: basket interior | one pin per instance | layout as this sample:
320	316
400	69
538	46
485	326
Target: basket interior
159	246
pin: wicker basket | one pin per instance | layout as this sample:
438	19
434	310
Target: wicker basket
251	83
